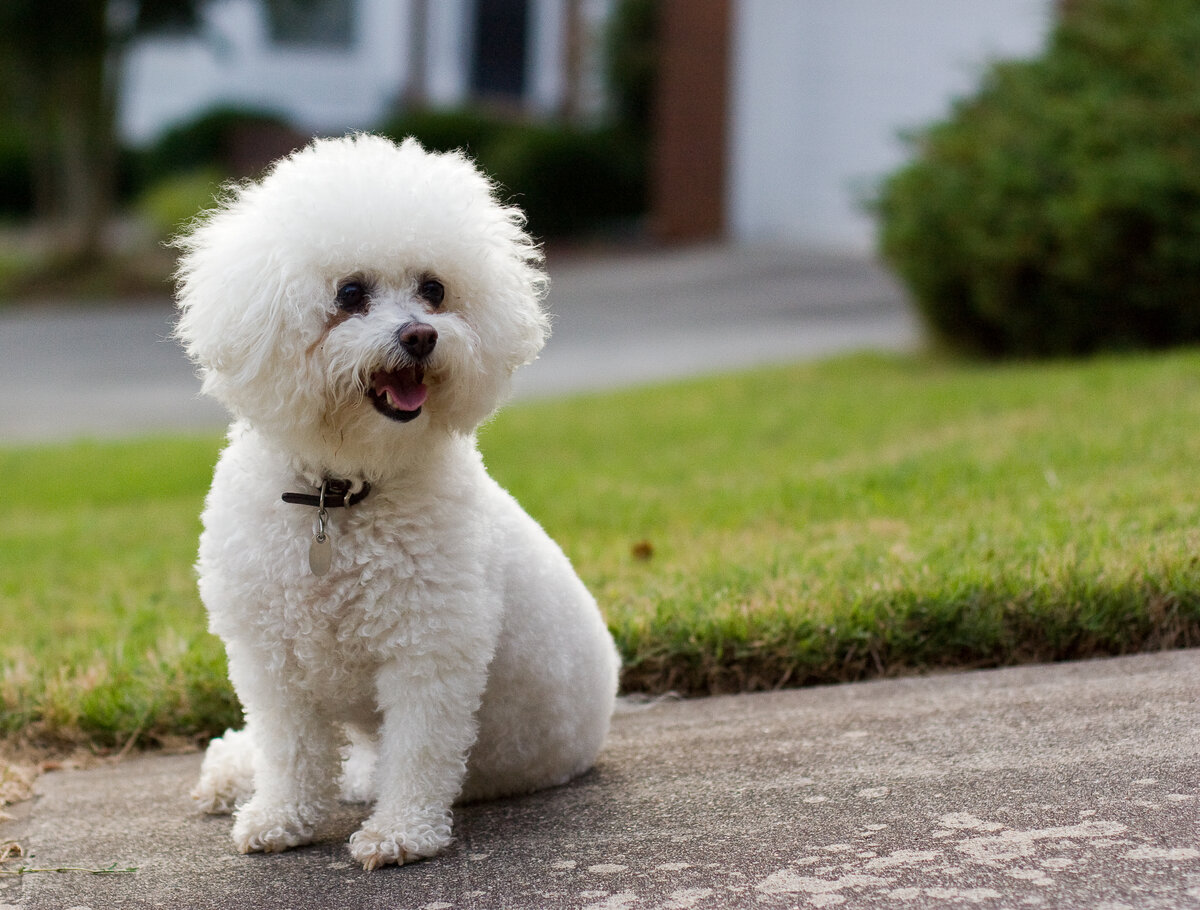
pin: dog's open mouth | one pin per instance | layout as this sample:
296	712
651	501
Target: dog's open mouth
398	394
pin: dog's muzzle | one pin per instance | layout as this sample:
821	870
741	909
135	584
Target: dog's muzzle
398	394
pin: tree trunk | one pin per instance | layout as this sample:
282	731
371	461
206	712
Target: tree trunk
82	125
61	84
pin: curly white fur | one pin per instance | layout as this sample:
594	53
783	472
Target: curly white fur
451	637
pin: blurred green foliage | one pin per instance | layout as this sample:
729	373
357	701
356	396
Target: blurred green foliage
575	177
170	203
1057	211
569	180
16	184
631	65
205	142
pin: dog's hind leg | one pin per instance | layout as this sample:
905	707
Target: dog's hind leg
227	773
358	766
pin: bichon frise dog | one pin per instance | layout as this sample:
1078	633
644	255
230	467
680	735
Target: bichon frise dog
360	311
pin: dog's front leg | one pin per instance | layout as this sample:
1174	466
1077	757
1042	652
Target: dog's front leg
428	728
295	777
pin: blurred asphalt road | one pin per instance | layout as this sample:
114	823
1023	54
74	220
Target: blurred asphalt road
110	370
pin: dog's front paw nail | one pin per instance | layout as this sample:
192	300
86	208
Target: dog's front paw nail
375	846
271	830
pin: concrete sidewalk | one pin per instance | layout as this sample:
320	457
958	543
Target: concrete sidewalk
1067	786
110	370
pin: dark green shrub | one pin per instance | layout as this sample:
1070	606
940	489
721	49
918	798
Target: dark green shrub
446	130
1057	211
569	180
169	204
234	141
16	174
631	55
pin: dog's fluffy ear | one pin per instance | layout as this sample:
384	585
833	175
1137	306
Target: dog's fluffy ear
230	307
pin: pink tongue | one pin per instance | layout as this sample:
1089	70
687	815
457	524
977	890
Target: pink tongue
405	397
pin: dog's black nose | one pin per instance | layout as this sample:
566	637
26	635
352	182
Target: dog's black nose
417	339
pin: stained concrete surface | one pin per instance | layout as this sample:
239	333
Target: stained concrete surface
1065	786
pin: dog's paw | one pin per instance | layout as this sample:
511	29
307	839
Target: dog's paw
218	795
271	829
214	800
226	775
376	844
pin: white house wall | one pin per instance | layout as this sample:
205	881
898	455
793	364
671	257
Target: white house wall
821	89
448	52
546	73
232	61
545	77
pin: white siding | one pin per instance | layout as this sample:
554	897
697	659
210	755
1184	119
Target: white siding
545	73
820	90
233	61
448	52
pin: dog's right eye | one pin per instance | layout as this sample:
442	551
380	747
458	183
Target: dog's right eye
352	297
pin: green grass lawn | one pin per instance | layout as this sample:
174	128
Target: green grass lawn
862	516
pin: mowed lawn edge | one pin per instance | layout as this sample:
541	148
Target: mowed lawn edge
863	516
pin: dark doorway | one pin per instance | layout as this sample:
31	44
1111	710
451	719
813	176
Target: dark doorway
501	36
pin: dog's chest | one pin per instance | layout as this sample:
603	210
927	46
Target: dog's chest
393	582
377	571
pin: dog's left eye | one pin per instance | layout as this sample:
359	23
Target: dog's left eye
352	296
432	291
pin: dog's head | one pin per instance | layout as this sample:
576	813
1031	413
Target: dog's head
362	295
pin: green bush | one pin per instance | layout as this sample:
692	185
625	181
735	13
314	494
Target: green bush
205	142
172	202
1057	211
446	130
632	52
569	180
16	172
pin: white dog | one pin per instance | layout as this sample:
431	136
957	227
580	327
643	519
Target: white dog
360	311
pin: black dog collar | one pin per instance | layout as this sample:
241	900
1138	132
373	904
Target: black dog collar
334	493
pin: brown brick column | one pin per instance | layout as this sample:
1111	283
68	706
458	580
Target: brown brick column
687	172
